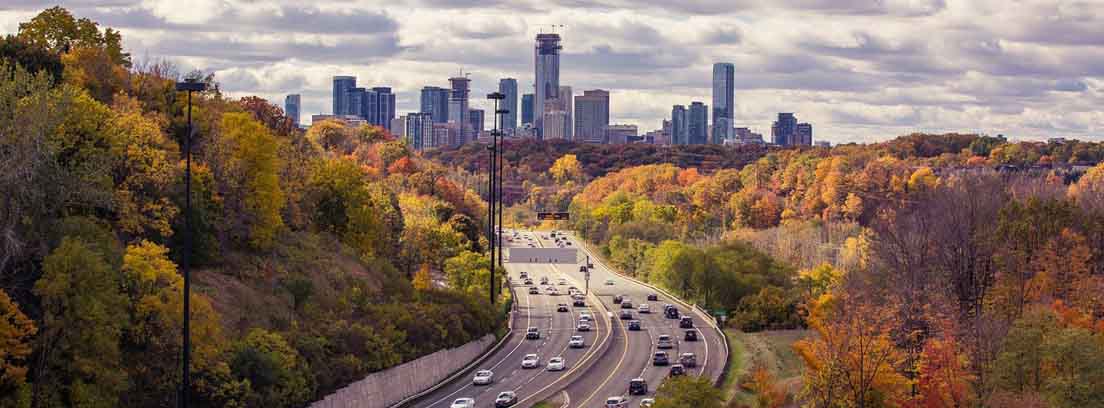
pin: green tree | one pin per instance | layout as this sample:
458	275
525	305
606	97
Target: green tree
78	347
57	30
273	368
254	165
688	391
470	272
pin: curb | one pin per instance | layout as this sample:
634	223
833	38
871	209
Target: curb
694	307
471	366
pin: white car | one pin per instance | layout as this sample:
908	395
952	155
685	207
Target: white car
463	403
647	402
530	361
556	364
609	282
585	315
483	377
576	342
617	402
583	326
644	308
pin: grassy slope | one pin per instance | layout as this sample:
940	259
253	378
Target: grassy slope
773	349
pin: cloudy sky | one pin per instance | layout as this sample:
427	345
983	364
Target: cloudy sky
858	70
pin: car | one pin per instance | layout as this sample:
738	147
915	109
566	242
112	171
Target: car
664	342
530	361
671	313
660	358
644	308
528	281
562	307
524	274
532	333
653	297
690	335
544	280
686	322
688	360
677	370
578	302
576	342
463	403
567	243
561	282
647	403
583	326
634	325
556	364
626	303
506	399
572	288
626	315
617	402
637	386
483	377
609	282
617	299
534	291
552	291
585	315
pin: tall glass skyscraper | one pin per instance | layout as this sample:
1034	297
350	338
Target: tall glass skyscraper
527	109
680	126
435	101
458	107
698	123
724	77
546	56
508	87
341	86
292	108
592	116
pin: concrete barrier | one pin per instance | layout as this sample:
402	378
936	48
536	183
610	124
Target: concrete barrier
385	388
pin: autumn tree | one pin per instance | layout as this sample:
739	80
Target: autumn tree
274	370
16	335
57	30
250	169
144	171
687	391
566	168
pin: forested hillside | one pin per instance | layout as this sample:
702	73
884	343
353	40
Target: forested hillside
315	253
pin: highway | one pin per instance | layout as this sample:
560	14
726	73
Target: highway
627	356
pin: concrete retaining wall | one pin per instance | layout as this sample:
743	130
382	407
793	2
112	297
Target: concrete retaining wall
543	255
385	388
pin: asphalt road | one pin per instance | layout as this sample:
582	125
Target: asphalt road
628	356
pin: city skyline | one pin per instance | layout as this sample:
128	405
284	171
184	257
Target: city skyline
896	67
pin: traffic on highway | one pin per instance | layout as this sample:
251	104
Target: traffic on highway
583	336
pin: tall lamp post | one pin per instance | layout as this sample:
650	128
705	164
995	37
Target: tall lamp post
492	234
185	382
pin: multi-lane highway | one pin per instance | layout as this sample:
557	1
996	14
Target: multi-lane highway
613	355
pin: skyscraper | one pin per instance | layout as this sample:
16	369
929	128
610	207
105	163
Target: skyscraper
341	87
508	88
724	77
547	65
527	109
475	118
458	107
592	116
435	101
698	123
804	132
291	108
378	106
783	130
680	128
419	130
567	104
354	102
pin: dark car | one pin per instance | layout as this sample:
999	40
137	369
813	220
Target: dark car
506	399
690	335
528	281
618	298
562	307
626	304
671	313
626	315
688	360
634	325
660	358
532	333
637	386
677	370
534	291
653	297
578	302
686	322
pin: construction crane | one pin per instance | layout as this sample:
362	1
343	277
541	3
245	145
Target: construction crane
551	26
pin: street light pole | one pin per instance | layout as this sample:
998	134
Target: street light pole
185	382
493	234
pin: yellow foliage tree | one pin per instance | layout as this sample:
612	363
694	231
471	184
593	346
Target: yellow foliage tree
253	158
422	279
566	168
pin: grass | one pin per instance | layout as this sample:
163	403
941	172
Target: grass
773	349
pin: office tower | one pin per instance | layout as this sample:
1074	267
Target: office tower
419	130
592	116
621	134
555	122
804	134
724	77
378	107
527	109
508	88
567	104
475	119
680	128
435	101
783	129
698	123
547	65
397	127
355	99
458	108
341	87
291	108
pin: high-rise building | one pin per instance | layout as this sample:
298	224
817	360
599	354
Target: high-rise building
458	107
355	99
475	118
804	134
527	109
341	86
398	127
291	108
547	66
783	129
567	104
680	126
555	122
698	123
621	134
592	116
724	78
508	88
419	130
378	106
435	101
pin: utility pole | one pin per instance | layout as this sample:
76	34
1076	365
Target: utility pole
185	380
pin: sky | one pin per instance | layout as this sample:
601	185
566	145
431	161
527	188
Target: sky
858	70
